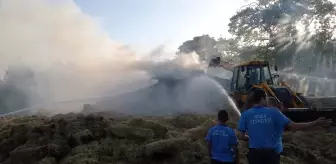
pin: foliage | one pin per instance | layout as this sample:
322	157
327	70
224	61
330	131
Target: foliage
285	28
295	33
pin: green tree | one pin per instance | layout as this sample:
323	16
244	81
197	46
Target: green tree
280	28
231	49
228	47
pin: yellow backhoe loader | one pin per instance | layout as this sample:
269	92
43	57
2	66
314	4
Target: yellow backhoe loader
252	75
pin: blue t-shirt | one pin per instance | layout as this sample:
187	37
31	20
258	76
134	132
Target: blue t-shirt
264	126
279	147
222	138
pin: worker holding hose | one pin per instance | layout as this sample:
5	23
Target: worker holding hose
265	127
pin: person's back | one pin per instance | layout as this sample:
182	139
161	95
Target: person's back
265	126
222	142
260	125
221	137
272	105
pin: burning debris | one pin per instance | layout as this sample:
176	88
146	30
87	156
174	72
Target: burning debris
78	138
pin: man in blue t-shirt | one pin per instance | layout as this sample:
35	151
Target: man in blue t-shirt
264	126
272	103
222	142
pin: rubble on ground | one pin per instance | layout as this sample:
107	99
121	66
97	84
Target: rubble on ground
95	139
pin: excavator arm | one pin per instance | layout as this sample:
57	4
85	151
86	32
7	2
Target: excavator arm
227	66
216	62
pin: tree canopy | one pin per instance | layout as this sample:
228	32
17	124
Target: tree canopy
292	33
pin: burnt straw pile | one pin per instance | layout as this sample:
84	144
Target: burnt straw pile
102	139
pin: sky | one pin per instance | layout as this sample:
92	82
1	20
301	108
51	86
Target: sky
146	24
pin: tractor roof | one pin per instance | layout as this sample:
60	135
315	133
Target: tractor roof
252	63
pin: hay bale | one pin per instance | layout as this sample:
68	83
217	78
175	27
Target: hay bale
287	160
12	136
28	154
87	153
58	150
160	130
138	141
174	134
119	149
90	149
198	132
133	133
188	121
84	136
79	159
167	147
48	160
196	152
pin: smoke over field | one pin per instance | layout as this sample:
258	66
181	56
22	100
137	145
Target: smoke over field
53	52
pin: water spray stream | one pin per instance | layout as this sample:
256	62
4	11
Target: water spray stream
310	85
225	94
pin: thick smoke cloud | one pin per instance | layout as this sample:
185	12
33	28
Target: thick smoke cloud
70	56
72	60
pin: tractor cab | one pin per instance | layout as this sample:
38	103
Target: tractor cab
248	74
257	75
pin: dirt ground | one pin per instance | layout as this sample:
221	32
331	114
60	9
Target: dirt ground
106	138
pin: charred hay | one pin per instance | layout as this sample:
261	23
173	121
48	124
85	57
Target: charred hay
93	139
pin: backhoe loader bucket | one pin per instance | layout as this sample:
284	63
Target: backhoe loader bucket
306	114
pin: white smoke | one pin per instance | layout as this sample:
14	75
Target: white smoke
68	52
72	58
